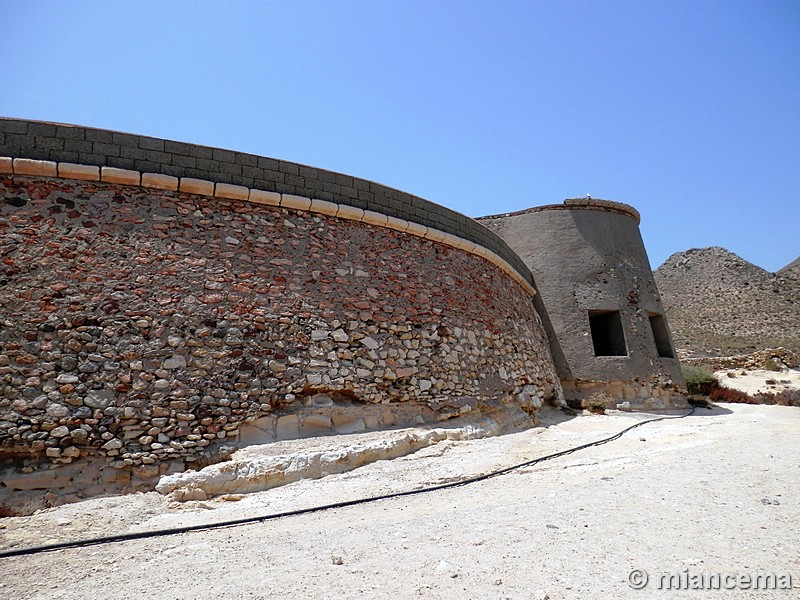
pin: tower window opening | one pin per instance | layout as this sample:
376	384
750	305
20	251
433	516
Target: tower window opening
661	336
608	336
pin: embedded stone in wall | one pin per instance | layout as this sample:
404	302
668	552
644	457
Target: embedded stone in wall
136	329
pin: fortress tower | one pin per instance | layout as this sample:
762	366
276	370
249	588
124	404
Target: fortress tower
608	332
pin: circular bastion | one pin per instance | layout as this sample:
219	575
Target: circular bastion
607	327
163	303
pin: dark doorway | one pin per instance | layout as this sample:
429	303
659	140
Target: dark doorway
608	337
661	336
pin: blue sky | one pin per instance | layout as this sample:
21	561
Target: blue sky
688	110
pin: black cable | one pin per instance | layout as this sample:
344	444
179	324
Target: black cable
124	537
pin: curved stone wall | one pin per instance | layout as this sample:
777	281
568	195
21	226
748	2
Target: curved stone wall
152	321
595	283
86	146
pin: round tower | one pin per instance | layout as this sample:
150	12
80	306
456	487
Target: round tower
608	332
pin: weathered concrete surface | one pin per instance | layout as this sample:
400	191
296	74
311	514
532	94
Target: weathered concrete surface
587	258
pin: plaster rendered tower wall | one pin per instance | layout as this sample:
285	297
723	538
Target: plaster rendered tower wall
608	331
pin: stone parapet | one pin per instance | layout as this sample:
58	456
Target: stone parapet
52	143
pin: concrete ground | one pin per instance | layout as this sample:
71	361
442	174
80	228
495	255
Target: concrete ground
717	492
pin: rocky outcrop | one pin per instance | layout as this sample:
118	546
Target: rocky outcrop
774	358
259	468
719	304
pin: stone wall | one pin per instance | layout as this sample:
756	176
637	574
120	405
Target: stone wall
145	326
63	143
778	357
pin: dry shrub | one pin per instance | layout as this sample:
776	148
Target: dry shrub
723	394
597	407
789	397
596	403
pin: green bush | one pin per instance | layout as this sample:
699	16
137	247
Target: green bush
698	380
771	365
596	406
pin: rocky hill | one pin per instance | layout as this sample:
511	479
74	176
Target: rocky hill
719	304
791	270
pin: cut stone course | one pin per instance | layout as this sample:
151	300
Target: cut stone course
123	176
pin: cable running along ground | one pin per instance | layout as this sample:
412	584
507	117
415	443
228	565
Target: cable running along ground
124	537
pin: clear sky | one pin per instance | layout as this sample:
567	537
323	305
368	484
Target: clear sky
688	110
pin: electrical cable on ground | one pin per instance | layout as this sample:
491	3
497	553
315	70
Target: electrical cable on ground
124	537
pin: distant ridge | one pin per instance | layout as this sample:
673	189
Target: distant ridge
791	270
719	304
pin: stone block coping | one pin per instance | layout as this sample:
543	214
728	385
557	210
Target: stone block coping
157	181
84	172
120	176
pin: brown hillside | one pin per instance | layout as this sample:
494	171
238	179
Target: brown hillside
791	270
720	304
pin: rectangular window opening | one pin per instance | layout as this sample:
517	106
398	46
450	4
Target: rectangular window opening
661	336
608	336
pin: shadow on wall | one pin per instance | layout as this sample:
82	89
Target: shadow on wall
557	352
614	240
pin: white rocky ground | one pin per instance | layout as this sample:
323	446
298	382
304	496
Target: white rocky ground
715	492
754	381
